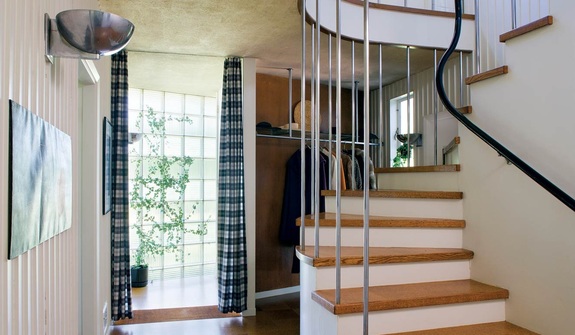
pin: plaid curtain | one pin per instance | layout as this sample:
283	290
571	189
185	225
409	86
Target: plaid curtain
121	283
232	258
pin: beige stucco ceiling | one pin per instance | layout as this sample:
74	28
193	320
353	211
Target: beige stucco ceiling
180	45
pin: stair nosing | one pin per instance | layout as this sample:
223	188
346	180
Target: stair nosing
356	221
382	255
532	26
415	169
442	296
400	194
487	74
491	328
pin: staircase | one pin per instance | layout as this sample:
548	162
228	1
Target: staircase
419	273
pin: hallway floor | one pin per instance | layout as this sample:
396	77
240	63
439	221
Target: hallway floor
172	293
275	316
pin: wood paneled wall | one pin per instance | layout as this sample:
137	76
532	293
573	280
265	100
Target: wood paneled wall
274	260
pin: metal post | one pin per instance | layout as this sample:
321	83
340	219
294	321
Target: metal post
330	109
381	158
435	108
316	131
312	120
408	55
513	14
461	81
290	85
302	126
338	159
477	39
353	97
366	182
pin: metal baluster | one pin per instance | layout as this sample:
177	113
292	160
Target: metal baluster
408	55
513	14
316	132
338	159
353	98
302	126
290	88
330	108
461	80
477	39
312	120
435	108
366	181
380	131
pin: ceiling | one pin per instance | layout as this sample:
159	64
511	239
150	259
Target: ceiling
180	45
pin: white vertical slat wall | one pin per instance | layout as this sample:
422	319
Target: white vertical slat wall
495	18
39	291
422	86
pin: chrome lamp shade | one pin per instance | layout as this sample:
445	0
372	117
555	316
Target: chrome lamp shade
86	34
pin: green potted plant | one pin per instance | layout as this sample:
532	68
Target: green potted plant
400	159
161	220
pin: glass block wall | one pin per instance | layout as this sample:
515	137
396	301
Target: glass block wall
198	139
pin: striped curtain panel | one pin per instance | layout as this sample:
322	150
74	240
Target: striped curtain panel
232	258
121	283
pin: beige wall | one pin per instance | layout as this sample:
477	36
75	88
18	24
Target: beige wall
523	238
39	291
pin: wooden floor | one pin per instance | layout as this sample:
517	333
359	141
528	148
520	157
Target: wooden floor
275	316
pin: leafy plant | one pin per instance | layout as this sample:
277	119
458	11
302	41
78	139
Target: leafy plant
400	159
157	177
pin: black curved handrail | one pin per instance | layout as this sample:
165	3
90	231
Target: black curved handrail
503	151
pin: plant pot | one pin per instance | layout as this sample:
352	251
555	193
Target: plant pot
139	275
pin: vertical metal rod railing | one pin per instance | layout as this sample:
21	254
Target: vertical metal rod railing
380	132
330	110
435	108
366	182
312	122
408	56
302	126
338	158
353	113
477	39
461	82
513	14
290	89
316	130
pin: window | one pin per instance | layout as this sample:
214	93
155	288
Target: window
401	121
196	138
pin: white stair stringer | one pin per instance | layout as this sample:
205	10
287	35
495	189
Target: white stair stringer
420	208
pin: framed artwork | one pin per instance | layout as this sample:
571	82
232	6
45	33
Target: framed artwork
107	168
40	181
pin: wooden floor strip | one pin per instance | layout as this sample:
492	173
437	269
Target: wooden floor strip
542	22
354	220
398	194
429	168
175	314
381	255
487	74
493	328
391	297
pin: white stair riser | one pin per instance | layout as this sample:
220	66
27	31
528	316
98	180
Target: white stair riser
390	237
422	181
419	208
392	274
412	319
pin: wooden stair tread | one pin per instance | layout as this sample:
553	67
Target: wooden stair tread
487	74
356	220
409	296
465	110
542	22
398	194
493	328
430	168
381	255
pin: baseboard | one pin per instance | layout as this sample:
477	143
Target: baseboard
275	293
249	312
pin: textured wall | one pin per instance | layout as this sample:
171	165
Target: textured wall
38	290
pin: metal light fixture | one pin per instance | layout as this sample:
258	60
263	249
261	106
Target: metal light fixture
85	34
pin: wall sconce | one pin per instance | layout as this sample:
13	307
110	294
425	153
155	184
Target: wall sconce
85	34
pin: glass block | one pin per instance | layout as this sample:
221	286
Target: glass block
210	210
197	169
174	124
194	104
210	190
211	106
154	100
210	252
193	254
190	238
134	121
193	210
210	169
173	146
174	103
212	232
193	146
210	127
194	190
134	98
210	148
194	127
